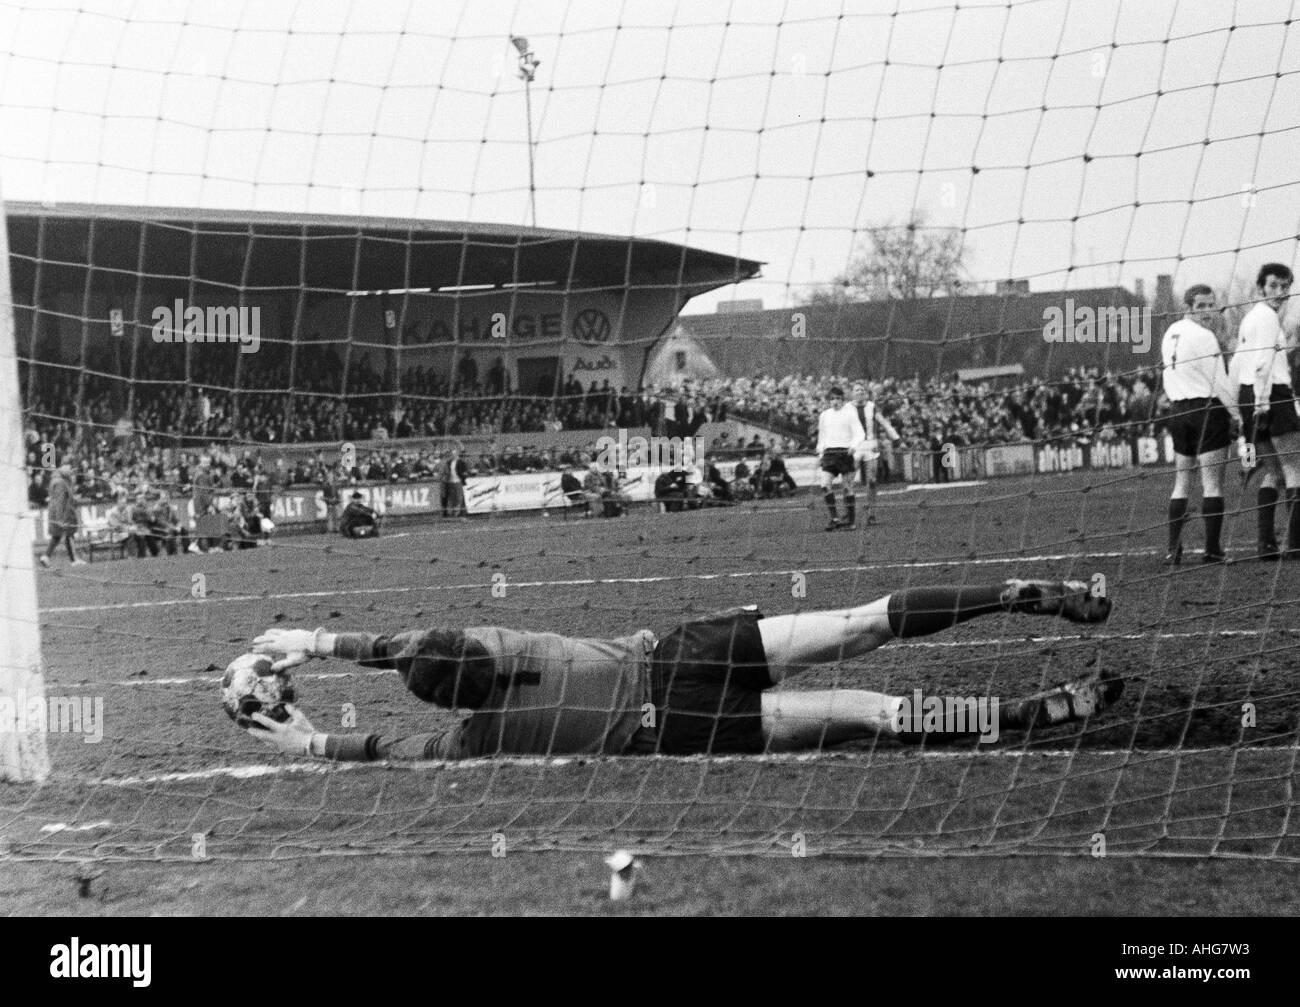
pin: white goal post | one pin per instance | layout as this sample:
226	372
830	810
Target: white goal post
22	741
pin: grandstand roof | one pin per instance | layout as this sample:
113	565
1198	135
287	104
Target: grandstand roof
327	253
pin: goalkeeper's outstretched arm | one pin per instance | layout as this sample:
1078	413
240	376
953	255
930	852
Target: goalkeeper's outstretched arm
440	667
443	667
297	737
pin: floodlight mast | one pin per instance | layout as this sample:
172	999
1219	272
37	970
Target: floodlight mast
528	64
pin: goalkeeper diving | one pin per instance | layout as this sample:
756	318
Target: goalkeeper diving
704	688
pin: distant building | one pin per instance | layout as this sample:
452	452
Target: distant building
939	335
676	358
1165	303
1003	373
732	307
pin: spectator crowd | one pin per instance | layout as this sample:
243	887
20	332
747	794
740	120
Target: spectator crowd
176	417
1085	403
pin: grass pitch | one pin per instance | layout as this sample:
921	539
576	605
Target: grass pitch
1188	785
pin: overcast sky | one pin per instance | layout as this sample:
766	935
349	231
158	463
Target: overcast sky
1054	133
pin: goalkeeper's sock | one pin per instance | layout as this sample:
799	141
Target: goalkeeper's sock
921	720
851	507
1058	705
1212	512
1293	520
1177	518
919	611
1267	503
830	504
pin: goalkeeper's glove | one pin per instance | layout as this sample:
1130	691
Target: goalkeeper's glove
294	646
292	737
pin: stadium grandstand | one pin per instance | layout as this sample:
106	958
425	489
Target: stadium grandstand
367	330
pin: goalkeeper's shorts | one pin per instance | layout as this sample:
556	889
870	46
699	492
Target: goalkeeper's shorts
708	682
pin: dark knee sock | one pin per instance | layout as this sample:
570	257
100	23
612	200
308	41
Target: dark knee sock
67	541
851	507
1293	519
1177	518
1267	502
1212	512
829	497
919	611
54	544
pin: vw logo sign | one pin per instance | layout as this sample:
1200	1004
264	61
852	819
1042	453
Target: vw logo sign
591	325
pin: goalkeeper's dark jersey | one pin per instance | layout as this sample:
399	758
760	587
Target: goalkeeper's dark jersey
553	695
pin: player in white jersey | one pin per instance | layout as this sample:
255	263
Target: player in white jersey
868	455
839	436
1202	419
1269	420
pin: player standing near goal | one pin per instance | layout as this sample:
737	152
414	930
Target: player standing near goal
839	435
705	687
63	515
1269	419
1202	419
868	456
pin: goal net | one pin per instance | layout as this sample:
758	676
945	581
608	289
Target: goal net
548	290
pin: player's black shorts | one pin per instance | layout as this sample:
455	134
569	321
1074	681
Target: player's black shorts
1282	417
838	461
708	682
1199	425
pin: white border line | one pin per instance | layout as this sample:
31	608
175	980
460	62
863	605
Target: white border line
212	678
55	827
1137	758
927	487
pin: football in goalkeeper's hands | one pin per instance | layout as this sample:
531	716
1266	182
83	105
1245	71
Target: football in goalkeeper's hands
250	686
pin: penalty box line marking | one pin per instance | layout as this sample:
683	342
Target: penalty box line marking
597	581
255	770
1033	641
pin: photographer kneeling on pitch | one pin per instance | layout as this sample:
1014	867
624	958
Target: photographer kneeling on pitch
358	520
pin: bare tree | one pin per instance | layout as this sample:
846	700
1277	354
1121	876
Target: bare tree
907	262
